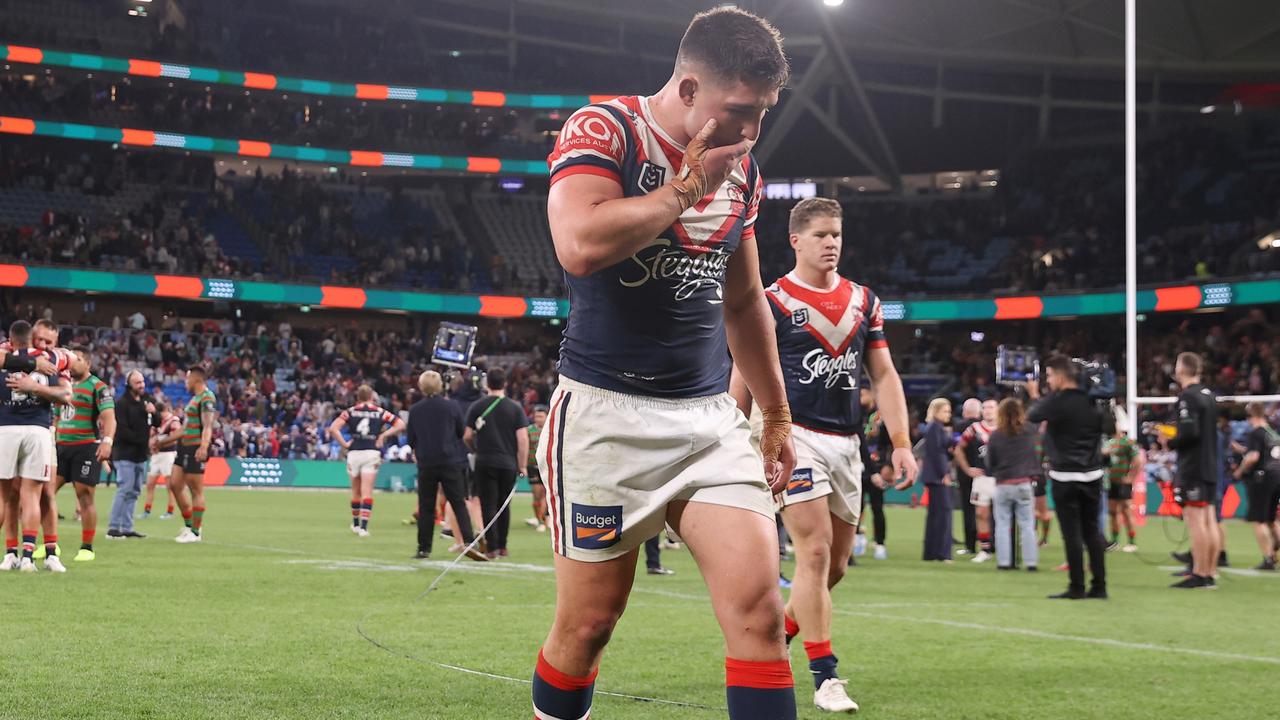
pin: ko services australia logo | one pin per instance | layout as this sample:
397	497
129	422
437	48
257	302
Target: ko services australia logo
596	527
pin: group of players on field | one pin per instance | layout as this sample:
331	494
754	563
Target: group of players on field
58	425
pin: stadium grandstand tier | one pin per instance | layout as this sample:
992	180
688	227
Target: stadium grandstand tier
159	104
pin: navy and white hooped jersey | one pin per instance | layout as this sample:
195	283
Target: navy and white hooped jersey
652	324
823	337
19	408
366	422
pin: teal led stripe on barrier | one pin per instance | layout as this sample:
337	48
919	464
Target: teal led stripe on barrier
282	83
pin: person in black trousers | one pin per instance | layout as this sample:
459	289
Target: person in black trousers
970	413
435	433
653	557
1075	430
933	474
876	473
498	431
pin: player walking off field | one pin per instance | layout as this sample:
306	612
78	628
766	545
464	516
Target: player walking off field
86	432
201	413
370	426
652	209
827	329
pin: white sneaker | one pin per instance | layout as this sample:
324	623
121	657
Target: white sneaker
859	545
10	562
1130	548
531	522
27	565
53	563
832	697
186	536
981	557
541	528
880	553
355	529
362	532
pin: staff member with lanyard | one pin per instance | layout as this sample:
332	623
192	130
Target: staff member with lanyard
1075	428
499	433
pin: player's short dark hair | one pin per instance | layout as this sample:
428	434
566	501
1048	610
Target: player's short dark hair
496	379
1191	364
1062	365
736	45
79	349
19	331
47	324
805	211
197	369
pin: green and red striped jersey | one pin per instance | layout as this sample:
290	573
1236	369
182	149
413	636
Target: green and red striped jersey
201	402
78	424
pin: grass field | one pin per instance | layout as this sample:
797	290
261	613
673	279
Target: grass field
260	622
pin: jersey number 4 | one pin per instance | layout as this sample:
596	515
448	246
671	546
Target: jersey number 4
363	427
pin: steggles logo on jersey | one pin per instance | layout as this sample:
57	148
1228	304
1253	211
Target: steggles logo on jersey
651	177
596	527
691	274
819	364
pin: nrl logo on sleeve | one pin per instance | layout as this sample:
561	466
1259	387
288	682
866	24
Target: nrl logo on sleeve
800	317
596	527
651	177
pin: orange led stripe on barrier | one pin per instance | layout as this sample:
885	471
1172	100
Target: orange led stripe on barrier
13	275
1185	297
253	148
129	136
502	306
488	99
179	286
18	53
1019	308
366	158
147	68
260	81
343	297
371	92
17	126
484	165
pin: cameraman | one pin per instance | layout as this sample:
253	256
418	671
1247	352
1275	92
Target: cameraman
1075	429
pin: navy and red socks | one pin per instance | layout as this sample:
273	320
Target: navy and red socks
28	545
355	513
759	690
366	509
559	696
822	662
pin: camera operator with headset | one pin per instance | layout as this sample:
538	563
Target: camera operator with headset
1076	427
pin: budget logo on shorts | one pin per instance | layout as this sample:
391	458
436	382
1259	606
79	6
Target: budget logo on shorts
800	317
651	177
801	481
596	527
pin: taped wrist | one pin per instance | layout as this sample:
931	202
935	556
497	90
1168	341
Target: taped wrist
777	428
